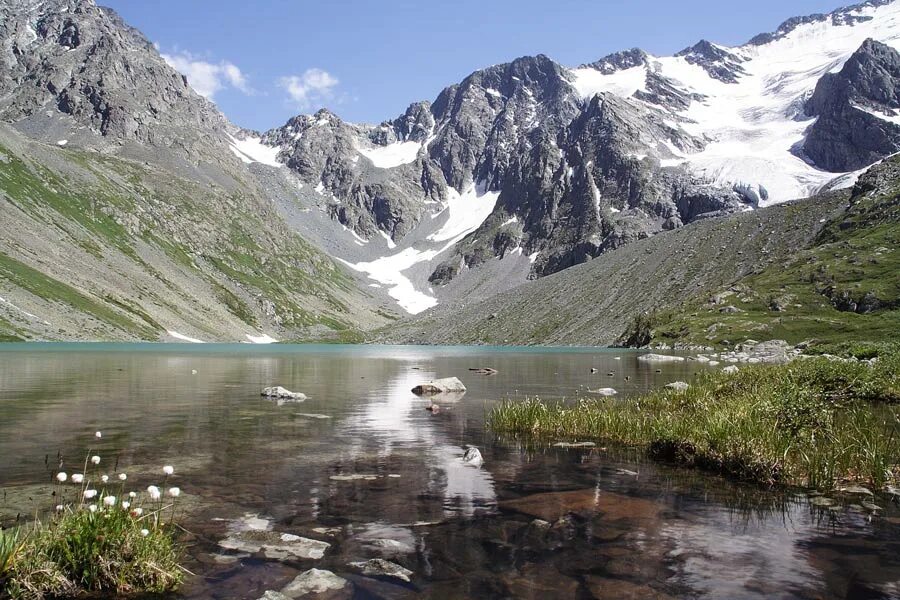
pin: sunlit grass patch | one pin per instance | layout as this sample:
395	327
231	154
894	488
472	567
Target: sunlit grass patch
815	422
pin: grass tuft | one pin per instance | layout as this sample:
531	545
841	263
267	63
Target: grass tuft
815	422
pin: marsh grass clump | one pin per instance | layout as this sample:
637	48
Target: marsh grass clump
814	422
102	540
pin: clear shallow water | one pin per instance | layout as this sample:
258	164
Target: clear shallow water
464	532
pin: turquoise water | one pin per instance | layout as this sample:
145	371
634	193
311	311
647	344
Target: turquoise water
618	525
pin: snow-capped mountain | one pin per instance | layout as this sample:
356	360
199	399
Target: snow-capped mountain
540	167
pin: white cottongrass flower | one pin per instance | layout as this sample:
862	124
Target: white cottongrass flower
61	477
145	532
138	511
168	469
126	504
92	508
88	494
132	495
122	476
109	500
104	478
95	459
174	492
154	492
77	478
98	435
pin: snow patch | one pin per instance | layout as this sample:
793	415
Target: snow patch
589	81
493	92
533	257
184	338
390	243
62	143
392	155
261	339
467	212
510	221
251	150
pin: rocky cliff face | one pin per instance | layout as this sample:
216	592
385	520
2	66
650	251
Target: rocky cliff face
73	59
858	110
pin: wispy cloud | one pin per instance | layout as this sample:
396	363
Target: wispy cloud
310	89
208	78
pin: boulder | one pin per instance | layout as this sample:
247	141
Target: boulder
678	386
659	358
274	545
378	567
439	386
280	392
730	370
314	581
473	457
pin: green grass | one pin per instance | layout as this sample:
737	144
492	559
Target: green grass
814	422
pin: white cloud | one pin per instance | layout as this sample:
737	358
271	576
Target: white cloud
313	87
208	78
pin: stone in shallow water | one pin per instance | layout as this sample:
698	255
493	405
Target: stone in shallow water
857	489
603	392
354	477
270	595
574	445
822	501
274	545
678	386
439	386
550	506
378	567
280	392
603	588
314	581
660	358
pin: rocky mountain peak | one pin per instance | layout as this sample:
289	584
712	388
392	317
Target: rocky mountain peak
717	61
69	62
856	107
619	61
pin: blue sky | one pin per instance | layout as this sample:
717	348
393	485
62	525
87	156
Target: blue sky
265	61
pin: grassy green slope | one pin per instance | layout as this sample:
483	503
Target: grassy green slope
843	287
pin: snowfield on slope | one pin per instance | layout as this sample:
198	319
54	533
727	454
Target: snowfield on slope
754	125
465	213
251	150
392	155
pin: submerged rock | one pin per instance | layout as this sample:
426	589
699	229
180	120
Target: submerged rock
280	392
822	501
378	567
274	545
270	595
483	370
473	457
660	358
314	581
439	386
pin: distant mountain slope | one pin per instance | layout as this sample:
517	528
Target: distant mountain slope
557	165
127	210
97	248
594	303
